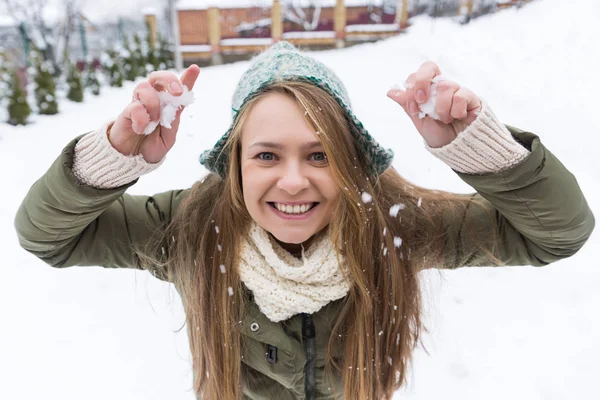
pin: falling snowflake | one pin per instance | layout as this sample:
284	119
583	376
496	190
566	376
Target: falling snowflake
397	242
366	197
396	208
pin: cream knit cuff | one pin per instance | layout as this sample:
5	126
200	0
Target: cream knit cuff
98	164
486	146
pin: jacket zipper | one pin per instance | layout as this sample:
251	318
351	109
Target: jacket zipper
310	346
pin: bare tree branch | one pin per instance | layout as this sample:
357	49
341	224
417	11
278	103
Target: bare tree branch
295	13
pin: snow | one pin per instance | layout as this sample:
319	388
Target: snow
264	22
169	104
309	35
397	243
367	198
395	209
518	333
247	42
6	21
428	108
204	4
149	11
191	48
372	28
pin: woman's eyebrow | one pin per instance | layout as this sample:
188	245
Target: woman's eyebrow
279	146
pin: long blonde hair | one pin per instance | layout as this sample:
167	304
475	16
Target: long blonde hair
380	319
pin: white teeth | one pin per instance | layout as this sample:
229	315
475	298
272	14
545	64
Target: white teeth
296	209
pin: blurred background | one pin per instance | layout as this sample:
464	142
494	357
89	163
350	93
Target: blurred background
72	45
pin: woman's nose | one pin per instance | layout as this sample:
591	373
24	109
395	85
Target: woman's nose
293	180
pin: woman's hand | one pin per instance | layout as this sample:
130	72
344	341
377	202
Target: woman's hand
127	133
456	106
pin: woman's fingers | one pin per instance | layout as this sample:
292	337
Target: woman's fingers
460	103
444	100
148	96
146	102
189	76
421	80
399	96
165	80
139	117
465	98
418	86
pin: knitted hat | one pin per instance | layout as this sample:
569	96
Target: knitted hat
283	62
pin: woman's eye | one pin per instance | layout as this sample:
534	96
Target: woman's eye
266	156
318	157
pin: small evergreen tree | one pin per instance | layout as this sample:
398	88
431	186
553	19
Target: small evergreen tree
130	67
45	91
112	68
138	55
75	85
18	108
92	81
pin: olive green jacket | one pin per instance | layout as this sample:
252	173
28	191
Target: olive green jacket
541	216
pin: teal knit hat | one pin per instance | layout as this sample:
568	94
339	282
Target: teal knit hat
283	62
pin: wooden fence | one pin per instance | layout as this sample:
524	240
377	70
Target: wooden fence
213	33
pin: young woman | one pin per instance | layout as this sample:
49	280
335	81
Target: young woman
297	256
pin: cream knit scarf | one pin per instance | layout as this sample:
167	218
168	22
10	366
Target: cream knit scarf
284	285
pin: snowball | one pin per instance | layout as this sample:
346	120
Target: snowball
169	104
397	241
366	197
419	202
230	291
395	208
428	108
222	268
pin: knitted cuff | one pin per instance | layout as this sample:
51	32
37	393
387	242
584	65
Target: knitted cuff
98	164
485	146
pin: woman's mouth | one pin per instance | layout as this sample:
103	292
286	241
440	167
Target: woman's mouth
294	210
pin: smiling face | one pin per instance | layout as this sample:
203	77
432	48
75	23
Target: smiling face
287	183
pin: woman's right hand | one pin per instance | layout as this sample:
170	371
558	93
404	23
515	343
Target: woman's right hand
127	133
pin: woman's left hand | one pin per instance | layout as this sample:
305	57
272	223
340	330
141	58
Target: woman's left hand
456	106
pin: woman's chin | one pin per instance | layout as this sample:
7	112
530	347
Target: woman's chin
288	238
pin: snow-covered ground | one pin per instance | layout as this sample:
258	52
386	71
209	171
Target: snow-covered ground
507	333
